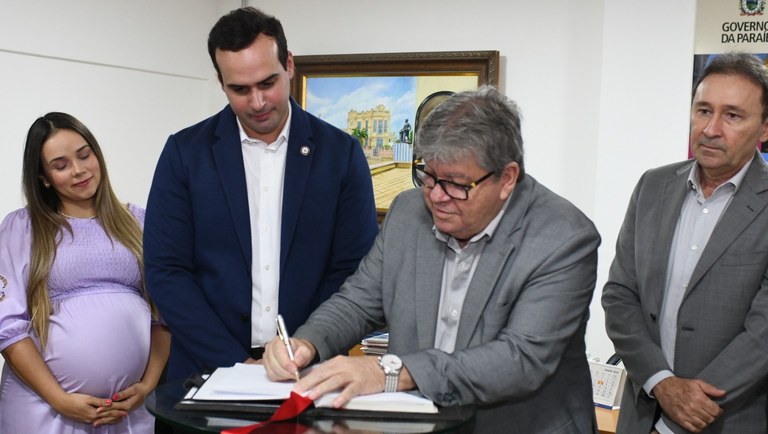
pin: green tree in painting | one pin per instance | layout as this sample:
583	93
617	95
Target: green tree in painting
361	135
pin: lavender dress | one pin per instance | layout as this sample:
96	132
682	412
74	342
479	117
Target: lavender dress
99	333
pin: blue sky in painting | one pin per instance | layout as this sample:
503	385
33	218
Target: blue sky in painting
330	98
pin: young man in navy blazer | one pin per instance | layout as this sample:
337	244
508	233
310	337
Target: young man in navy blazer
259	209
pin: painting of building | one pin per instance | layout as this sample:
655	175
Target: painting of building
377	123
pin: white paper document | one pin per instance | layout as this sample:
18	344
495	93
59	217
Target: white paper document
244	382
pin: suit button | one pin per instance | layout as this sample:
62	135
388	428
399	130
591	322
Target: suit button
244	318
653	317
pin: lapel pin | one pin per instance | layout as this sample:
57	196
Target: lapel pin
304	150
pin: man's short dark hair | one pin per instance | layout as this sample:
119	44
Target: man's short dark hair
239	28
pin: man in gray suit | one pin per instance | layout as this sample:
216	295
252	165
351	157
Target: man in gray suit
483	278
686	300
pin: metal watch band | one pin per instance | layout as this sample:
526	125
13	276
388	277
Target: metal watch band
390	384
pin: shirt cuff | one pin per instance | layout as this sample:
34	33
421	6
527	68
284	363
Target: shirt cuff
8	342
662	428
656	379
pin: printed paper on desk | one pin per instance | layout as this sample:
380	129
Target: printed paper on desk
403	402
243	382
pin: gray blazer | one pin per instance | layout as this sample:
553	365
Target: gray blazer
520	353
722	335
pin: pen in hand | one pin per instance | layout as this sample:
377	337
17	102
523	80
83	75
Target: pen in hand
283	333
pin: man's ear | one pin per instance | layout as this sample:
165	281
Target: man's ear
764	135
289	66
509	179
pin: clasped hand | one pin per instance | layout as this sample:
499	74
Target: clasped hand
352	376
689	402
99	411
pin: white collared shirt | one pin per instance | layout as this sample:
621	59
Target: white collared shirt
264	172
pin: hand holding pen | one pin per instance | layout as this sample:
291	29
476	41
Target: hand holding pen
282	331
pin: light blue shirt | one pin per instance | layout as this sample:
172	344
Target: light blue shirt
697	221
458	269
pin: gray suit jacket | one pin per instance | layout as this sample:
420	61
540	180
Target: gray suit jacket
722	335
520	353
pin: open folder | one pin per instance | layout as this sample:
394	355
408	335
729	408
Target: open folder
243	387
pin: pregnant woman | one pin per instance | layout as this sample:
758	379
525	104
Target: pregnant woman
80	338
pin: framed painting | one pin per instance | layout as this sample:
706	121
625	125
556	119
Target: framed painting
374	97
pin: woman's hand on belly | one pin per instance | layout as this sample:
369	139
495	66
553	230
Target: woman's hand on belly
109	414
131	397
78	406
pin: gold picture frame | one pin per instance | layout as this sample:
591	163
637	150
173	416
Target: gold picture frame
322	83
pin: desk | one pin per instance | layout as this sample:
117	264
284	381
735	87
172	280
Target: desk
162	400
606	420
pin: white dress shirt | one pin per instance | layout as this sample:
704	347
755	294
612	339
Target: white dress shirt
264	172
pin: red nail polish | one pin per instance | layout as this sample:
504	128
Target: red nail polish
108	402
115	396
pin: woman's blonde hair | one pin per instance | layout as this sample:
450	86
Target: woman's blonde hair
44	205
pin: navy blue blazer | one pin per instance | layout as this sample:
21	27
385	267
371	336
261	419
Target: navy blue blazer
197	237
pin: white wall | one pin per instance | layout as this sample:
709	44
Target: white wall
133	72
603	85
647	69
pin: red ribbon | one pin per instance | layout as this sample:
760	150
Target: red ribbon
289	409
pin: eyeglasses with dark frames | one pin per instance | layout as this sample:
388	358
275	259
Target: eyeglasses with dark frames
452	189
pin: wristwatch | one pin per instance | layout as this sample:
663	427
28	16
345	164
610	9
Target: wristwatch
391	364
